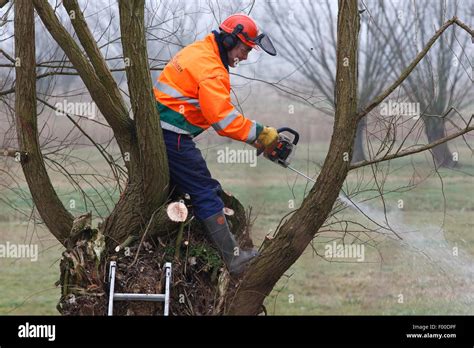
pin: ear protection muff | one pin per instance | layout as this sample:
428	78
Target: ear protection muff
231	40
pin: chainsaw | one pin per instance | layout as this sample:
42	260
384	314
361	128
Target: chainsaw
283	150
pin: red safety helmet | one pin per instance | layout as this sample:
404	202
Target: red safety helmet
245	28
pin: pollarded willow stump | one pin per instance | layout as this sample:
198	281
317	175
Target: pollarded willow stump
201	284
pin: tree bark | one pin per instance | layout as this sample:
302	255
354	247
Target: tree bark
153	157
296	233
147	188
57	219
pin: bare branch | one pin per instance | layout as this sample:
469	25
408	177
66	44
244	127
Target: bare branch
416	150
114	113
10	58
56	217
93	52
413	64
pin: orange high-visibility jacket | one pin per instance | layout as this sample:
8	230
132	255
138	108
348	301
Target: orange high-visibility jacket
193	94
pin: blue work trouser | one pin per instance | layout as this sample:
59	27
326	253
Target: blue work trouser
189	174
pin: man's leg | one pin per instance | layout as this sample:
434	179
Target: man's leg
219	232
189	173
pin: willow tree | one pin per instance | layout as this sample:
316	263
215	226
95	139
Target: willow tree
139	212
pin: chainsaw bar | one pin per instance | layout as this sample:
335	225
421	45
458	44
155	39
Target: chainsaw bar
303	175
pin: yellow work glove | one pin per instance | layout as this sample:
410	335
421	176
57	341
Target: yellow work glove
268	136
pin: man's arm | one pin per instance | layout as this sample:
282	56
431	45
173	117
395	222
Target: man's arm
217	108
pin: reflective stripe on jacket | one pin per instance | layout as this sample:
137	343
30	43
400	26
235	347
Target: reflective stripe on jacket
193	94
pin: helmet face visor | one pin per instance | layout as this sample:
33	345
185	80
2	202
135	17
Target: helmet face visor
263	41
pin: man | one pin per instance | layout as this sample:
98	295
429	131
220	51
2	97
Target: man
193	94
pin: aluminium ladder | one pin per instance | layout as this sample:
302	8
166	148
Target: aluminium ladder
138	297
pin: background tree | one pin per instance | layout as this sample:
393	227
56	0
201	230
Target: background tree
445	71
391	34
312	54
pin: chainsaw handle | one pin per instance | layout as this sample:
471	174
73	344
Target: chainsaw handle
296	136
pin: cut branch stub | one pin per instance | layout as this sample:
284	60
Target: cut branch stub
177	211
228	211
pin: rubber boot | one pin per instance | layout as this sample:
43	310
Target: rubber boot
235	258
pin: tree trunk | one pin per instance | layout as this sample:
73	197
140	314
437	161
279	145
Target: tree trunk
435	130
200	282
435	126
140	139
148	177
296	233
57	219
152	149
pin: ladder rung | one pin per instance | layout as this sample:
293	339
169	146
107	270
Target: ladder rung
138	297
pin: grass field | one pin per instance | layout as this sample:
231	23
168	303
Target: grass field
417	275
